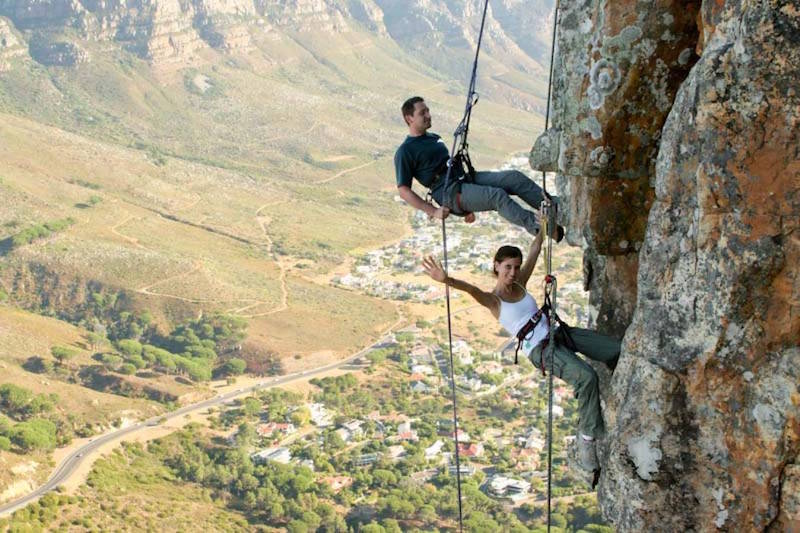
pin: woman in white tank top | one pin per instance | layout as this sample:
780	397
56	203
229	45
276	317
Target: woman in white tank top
513	307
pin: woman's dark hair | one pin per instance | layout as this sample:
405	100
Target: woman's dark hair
506	252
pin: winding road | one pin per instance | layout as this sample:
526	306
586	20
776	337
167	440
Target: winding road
70	464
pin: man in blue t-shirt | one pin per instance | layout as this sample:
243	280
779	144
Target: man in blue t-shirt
423	156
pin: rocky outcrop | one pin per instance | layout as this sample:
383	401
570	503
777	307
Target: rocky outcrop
160	31
55	53
10	44
306	15
224	24
678	141
614	62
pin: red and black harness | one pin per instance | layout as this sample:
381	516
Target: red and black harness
562	335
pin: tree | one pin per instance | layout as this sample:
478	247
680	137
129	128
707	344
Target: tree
297	526
34	434
384	478
251	406
234	367
246	435
129	347
62	353
392	526
14	397
95	340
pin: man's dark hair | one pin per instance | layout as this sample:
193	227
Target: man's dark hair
408	105
506	252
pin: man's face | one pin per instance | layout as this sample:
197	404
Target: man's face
420	121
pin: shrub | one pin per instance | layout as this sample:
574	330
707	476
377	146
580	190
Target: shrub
129	347
111	361
234	367
36	434
38	365
128	369
63	353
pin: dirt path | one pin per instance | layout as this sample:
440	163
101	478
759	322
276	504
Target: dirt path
343	172
290	135
134	241
263	222
251	302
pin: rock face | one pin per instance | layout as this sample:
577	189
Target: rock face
10	44
164	31
678	129
617	71
62	54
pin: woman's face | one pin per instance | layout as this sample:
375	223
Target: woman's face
508	269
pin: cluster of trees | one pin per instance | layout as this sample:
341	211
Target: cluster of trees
21	404
32	431
40	231
191	349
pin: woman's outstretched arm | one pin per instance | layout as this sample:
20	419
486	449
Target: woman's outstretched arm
530	262
436	272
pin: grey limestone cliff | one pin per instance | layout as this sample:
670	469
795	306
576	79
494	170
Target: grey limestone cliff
676	133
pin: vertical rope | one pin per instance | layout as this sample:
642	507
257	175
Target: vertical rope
548	257
460	133
452	379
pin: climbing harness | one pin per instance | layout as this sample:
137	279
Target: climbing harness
529	326
459	156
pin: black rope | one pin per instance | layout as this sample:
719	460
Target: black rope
460	134
550	283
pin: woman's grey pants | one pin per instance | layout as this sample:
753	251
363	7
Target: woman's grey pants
579	374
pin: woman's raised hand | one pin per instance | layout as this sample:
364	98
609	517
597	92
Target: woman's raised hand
433	269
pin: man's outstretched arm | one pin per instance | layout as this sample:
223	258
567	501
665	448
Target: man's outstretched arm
415	201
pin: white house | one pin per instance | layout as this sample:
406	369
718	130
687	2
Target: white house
320	416
278	455
434	449
558	412
351	430
422	369
395	452
472	384
420	387
505	487
462	350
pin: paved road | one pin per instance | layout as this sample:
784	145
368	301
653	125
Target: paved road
71	463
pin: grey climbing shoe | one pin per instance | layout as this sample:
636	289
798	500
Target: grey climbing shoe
587	454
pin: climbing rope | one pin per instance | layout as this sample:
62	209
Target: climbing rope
459	140
550	283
